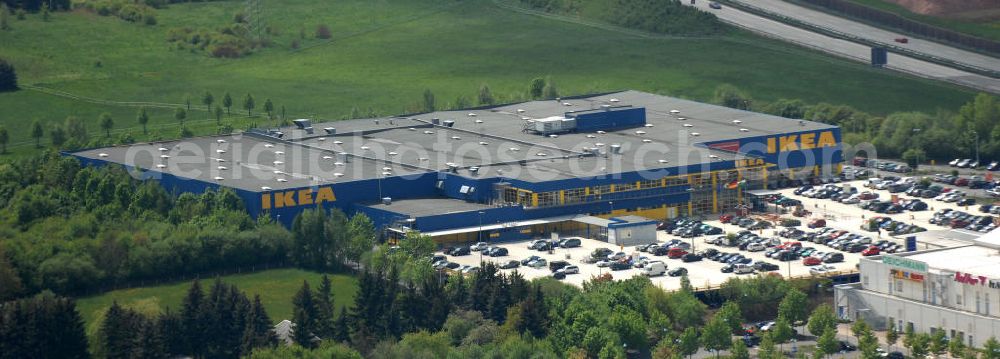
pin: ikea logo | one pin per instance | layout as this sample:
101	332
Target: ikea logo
805	141
281	199
751	162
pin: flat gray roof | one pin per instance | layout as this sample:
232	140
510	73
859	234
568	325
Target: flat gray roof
494	140
420	207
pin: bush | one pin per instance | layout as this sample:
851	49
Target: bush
149	19
323	32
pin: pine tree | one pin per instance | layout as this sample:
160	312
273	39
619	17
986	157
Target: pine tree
248	104
258	333
143	118
116	337
70	336
37	132
193	320
150	343
171	327
342	327
269	107
324	309
227	102
534	314
4	138
304	317
207	99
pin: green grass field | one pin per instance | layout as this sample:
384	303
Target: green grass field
385	53
275	287
988	29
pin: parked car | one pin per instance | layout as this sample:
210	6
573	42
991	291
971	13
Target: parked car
714	5
479	246
654	268
743	269
557	265
677	272
691	257
511	264
870	251
538	263
817	223
570	243
459	251
497	252
675	253
811	261
619	265
571	269
525	261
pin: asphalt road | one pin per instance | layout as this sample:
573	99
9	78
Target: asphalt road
876	34
847	49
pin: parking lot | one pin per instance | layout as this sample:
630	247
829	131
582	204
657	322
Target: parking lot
708	273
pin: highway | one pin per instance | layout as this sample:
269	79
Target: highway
855	51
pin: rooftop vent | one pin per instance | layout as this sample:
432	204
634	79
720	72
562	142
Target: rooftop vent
520	110
219	160
321	139
327	157
338	142
161	166
662	161
364	148
449	123
695	134
265	188
164	149
682	118
309	130
392	153
102	155
164	156
479	121
278	163
219	178
268	145
647	140
302	123
220	141
675	111
282	180
484	143
616	149
514	149
688	125
648	125
640	132
279	153
330	130
737	122
220	151
744	130
613	100
428	132
222	168
472	114
436	121
591	136
338	174
386	200
456	138
802	123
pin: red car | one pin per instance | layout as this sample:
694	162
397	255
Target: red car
790	245
870	251
902	40
725	218
817	223
812	261
675	253
961	182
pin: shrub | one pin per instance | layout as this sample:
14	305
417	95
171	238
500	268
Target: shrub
323	32
226	51
149	19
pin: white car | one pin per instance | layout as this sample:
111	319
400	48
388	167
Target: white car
994	192
470	270
569	270
820	269
756	247
479	247
538	263
603	263
743	269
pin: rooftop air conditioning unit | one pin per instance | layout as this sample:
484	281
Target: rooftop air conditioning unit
449	123
386	200
330	130
436	121
616	149
302	123
309	130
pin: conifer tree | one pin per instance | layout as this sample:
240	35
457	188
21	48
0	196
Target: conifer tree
304	317
258	333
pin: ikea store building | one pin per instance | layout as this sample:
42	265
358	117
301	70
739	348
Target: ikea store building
507	172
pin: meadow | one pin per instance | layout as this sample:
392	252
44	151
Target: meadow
383	54
986	25
276	288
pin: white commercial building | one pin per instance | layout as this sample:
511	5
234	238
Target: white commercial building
952	289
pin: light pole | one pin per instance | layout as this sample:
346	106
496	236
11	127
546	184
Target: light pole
976	135
480	236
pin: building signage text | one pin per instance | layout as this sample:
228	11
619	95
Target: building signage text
804	141
971	279
300	197
904	263
900	274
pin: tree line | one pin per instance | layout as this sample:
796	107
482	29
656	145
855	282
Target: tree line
73	229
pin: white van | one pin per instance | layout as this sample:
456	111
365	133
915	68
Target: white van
653	269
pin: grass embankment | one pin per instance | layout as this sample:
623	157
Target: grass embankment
974	23
275	287
384	54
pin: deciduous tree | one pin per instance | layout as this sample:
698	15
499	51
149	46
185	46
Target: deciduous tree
37	133
715	336
227	102
248	104
143	118
107	123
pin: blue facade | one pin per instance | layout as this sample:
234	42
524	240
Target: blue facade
608	119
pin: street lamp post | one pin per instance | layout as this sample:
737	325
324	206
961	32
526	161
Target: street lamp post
480	236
